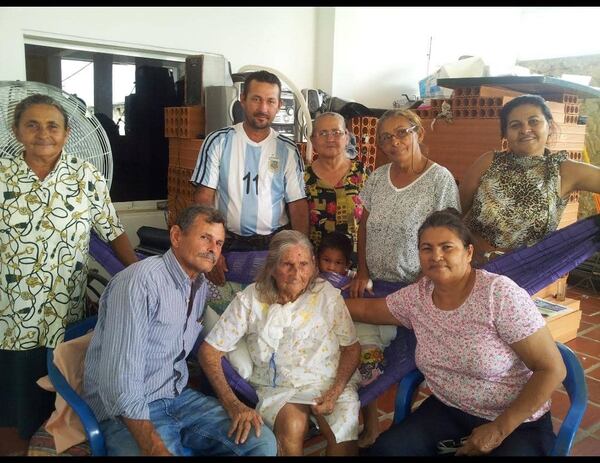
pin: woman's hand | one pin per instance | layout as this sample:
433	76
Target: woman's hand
483	440
242	420
360	283
324	405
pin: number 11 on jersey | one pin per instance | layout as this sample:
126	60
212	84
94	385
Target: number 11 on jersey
248	181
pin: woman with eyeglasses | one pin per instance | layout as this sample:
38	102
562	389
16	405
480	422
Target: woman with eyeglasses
333	182
516	197
396	199
483	347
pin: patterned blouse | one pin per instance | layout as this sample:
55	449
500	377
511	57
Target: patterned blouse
465	354
44	239
395	215
337	208
518	199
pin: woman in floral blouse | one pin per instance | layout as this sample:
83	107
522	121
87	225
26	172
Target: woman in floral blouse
333	182
483	347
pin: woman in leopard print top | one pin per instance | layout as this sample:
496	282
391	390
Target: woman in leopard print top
516	197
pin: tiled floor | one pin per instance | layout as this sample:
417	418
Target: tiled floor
586	345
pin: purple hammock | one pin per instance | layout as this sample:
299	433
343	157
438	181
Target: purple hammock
532	268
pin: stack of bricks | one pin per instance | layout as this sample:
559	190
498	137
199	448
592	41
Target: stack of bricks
475	127
482	102
184	122
364	129
184	127
565	108
570	137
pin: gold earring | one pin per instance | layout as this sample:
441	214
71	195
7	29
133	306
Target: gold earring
504	144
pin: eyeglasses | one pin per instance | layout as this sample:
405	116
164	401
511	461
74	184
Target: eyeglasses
400	133
325	133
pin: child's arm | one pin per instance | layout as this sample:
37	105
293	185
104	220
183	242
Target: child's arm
337	280
371	310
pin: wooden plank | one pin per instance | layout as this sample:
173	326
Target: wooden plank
569	215
564	329
488	90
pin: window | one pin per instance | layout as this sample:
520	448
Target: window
138	145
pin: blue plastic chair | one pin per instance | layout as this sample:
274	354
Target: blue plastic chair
574	384
83	411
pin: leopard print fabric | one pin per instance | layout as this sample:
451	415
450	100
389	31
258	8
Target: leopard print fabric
518	199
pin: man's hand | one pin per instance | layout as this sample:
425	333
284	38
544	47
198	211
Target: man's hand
146	437
242	420
217	274
324	405
483	440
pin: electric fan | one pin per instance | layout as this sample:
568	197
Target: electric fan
87	141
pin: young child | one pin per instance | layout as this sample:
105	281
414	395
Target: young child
333	259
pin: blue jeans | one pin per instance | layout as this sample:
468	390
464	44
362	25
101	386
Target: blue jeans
193	421
434	421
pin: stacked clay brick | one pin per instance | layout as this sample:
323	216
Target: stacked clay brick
363	129
184	127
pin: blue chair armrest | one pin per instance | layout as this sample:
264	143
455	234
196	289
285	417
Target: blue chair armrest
83	411
406	389
237	383
576	387
80	328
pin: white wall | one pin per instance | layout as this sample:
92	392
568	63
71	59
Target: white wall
281	38
367	54
558	32
381	53
324	41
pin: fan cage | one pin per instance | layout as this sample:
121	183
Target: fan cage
87	139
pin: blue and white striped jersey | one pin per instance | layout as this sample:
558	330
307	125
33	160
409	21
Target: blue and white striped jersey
253	181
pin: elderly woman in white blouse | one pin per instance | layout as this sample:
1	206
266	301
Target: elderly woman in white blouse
303	347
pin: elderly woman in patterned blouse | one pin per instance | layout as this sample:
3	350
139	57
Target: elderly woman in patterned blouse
514	198
50	203
303	346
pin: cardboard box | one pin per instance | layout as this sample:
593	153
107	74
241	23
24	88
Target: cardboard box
428	88
563	325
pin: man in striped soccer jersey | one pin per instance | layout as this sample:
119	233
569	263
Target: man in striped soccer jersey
252	174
